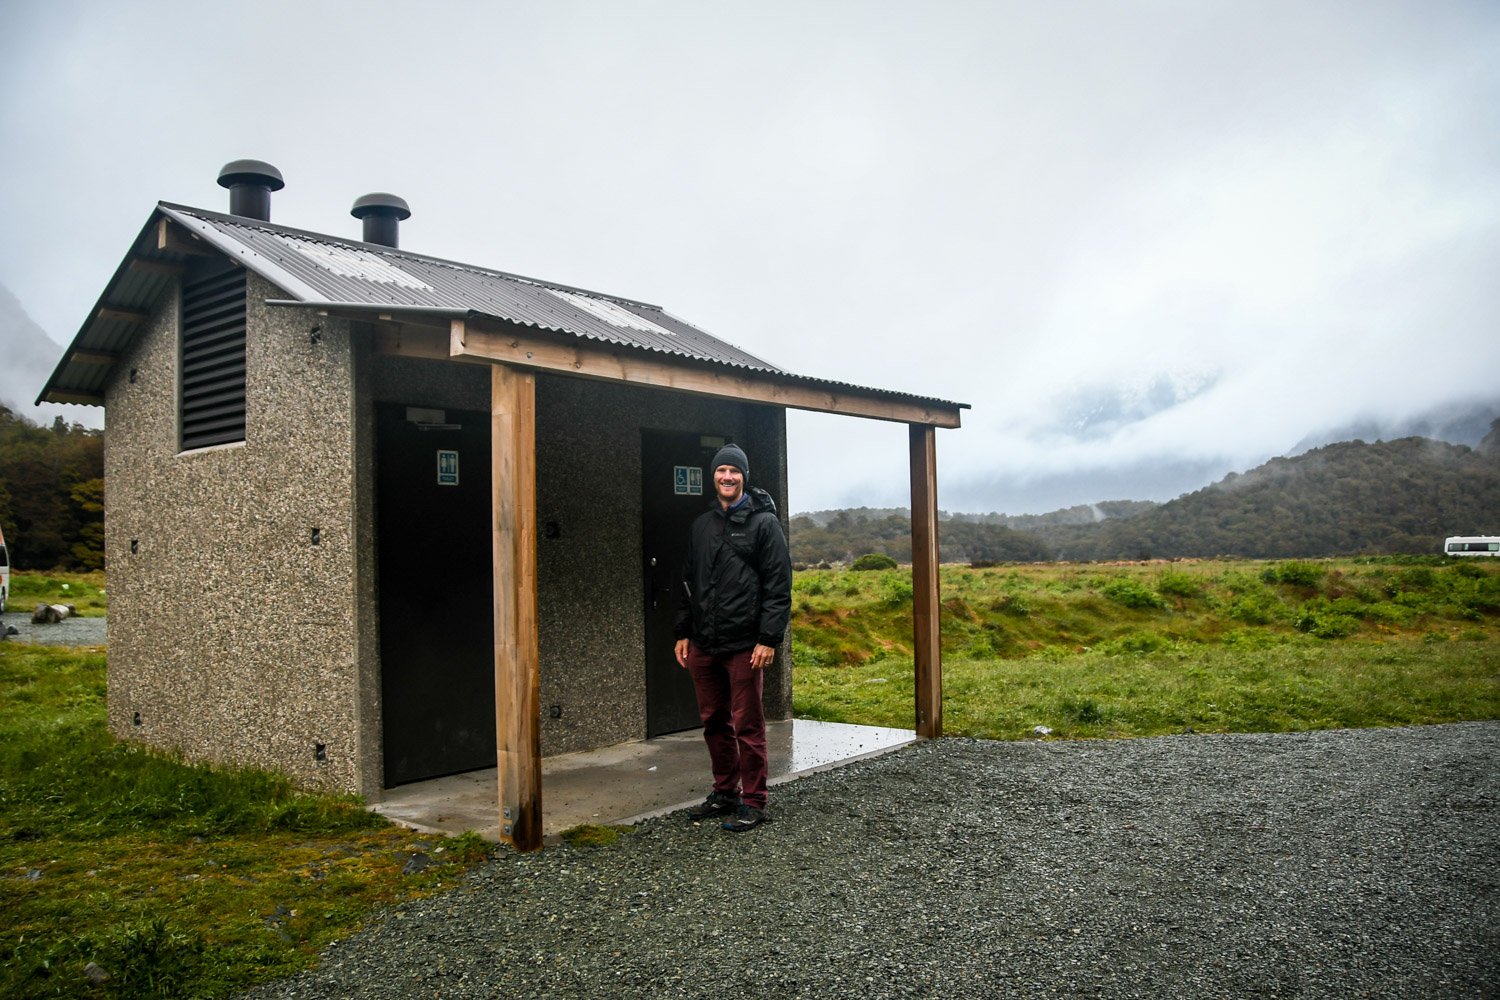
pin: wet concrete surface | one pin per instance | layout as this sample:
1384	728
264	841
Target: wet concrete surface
629	782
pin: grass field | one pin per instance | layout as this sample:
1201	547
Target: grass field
165	879
1141	650
85	591
126	873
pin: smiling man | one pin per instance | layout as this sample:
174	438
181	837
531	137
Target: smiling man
735	606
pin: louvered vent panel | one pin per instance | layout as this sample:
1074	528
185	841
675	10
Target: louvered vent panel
213	360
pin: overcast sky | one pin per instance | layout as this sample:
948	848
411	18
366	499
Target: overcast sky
1148	242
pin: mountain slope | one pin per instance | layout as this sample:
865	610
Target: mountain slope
1350	498
1342	499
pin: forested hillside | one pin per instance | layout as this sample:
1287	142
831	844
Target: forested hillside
1351	498
51	493
1343	499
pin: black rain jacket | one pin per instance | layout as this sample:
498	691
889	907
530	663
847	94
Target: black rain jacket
737	581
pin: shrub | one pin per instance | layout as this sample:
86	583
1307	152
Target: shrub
1325	623
812	586
1142	642
1387	613
1178	584
895	590
1469	568
1298	574
1012	604
1132	594
873	561
1417	578
1253	609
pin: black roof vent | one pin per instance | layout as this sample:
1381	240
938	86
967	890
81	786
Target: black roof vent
382	214
250	183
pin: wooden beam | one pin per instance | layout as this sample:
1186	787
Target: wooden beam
924	581
170	236
134	317
93	358
578	357
518	733
405	340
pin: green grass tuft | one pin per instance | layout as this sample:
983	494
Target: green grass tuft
593	835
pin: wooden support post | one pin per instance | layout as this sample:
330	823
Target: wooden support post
924	580
518	735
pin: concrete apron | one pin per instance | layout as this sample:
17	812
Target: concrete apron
629	782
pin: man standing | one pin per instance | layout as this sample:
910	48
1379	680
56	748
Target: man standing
735	607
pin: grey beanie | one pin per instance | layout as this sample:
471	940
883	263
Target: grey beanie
731	454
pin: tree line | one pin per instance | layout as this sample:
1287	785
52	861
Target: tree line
51	493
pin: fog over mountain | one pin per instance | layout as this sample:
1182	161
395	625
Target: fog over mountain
27	358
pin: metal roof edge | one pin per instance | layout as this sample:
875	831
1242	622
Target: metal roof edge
737	347
88	321
237	251
451	312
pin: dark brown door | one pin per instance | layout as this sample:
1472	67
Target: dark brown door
437	672
676	486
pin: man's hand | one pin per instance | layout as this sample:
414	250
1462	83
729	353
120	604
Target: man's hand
682	653
761	657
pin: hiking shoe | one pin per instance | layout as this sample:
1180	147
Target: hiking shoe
717	804
747	818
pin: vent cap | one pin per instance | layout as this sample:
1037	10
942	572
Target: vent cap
250	183
381	214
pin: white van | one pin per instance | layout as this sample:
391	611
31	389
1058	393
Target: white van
4	571
1472	545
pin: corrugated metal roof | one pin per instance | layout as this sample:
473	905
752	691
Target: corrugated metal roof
329	271
318	268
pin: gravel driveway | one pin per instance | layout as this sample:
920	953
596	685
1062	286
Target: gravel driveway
68	632
1332	864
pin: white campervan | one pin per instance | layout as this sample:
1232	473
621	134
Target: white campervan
1472	545
4	571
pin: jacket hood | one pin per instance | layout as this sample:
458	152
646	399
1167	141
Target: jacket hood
761	500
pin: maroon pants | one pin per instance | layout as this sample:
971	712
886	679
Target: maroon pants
734	721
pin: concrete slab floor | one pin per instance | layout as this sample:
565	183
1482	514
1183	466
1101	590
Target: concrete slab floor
628	782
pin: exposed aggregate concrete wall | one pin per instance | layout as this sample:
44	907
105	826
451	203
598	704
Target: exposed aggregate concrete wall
232	632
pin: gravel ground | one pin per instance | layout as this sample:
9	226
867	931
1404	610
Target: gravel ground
68	632
1331	864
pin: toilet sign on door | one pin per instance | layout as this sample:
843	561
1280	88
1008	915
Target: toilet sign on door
687	479
447	468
